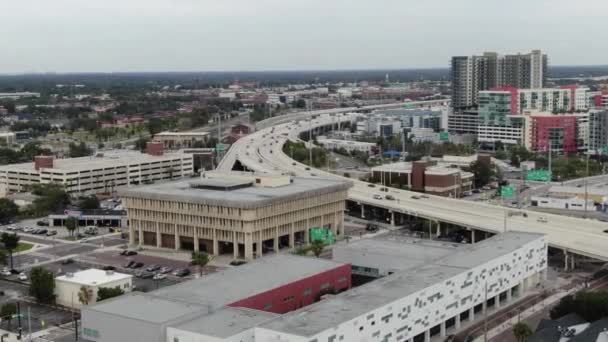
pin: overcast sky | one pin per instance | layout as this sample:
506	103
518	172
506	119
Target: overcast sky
215	35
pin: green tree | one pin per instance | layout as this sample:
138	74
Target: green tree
8	210
141	143
85	295
155	125
42	285
71	224
522	331
482	171
317	247
88	203
52	198
10	242
7	311
200	259
589	305
79	150
104	293
2	257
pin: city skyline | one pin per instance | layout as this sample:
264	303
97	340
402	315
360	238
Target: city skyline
184	35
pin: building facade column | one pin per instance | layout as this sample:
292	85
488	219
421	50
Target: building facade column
334	226
292	235
177	242
131	233
392	219
471	314
457	321
509	295
195	239
248	246
427	336
442	329
341	223
140	234
235	246
497	301
275	240
158	236
472	235
260	244
362	211
565	260
484	307
216	246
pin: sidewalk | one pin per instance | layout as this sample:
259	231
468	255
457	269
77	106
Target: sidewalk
507	325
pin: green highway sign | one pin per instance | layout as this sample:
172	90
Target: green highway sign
444	136
539	175
219	148
324	234
507	191
408	106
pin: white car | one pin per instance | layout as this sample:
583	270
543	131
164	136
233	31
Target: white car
159	276
22	276
6	272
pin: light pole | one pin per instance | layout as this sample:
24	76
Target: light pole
586	177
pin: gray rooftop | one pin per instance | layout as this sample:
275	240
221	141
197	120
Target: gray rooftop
393	251
242	282
146	307
358	301
245	198
226	322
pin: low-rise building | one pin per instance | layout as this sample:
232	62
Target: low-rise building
598	195
572	203
68	286
177	140
102	173
234	213
7	138
348	145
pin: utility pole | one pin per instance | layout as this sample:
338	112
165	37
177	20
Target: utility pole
310	141
586	177
485	315
550	168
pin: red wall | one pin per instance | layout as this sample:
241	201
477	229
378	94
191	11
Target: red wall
514	97
276	297
540	132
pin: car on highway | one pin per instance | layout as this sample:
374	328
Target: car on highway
22	276
371	185
390	197
378	197
86	240
385	189
415	197
542	219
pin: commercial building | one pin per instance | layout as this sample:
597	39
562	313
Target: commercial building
348	145
222	306
177	140
572	203
18	95
379	126
464	122
234	213
430	294
425	176
68	286
597	130
7	138
102	173
546	131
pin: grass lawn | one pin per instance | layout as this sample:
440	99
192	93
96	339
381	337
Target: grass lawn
22	247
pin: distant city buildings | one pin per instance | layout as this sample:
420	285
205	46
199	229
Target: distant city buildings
18	95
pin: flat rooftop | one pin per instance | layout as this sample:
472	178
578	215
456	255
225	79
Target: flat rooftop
393	251
226	322
109	159
181	134
94	277
242	282
591	190
238	197
146	307
358	301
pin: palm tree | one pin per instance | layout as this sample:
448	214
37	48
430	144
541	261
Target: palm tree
522	331
85	295
10	241
200	259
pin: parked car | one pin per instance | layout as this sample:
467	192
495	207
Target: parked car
85	240
371	185
5	272
51	233
137	264
28	229
159	276
146	275
67	261
41	231
22	276
165	269
129	252
109	268
181	272
129	264
90	230
153	268
42	223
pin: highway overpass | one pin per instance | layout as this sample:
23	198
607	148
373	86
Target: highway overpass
262	152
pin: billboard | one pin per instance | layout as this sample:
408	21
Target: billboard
326	235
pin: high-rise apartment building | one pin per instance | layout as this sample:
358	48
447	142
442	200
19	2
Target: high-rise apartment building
471	74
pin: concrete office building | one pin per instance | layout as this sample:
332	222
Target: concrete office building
427	295
348	145
234	213
104	172
597	130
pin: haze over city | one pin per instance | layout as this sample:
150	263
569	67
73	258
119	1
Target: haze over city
206	35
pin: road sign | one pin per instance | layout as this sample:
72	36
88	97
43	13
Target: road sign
220	148
444	136
605	150
507	191
539	175
324	234
408	106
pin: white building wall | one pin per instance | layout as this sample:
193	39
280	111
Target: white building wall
421	311
66	292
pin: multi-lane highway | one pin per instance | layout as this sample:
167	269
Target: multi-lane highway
262	152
